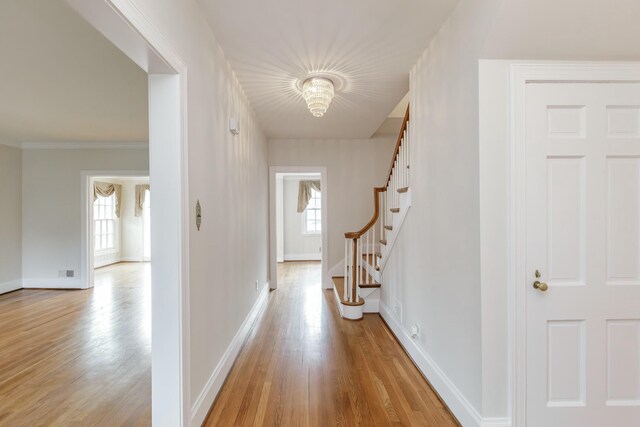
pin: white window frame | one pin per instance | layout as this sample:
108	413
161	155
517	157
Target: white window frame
315	205
106	203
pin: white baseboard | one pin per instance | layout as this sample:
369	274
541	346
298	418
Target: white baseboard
203	403
57	283
462	409
10	286
130	259
303	257
496	422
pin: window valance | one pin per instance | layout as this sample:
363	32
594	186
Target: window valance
106	189
304	193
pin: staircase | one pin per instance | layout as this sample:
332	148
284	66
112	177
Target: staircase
366	251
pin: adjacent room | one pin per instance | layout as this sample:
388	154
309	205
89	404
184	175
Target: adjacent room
75	252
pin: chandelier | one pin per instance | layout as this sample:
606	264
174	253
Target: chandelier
318	92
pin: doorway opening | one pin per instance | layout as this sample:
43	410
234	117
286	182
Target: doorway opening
298	226
129	30
118	225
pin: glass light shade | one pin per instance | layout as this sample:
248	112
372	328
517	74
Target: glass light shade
318	92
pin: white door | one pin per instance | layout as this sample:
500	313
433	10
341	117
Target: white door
583	237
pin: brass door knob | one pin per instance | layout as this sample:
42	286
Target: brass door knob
540	286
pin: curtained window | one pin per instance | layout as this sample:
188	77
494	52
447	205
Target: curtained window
104	223
141	194
312	222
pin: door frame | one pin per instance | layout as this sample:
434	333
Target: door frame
124	25
86	219
520	75
273	252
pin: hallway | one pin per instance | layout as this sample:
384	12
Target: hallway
78	357
304	365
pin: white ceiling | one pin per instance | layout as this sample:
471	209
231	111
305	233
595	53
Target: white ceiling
366	46
63	81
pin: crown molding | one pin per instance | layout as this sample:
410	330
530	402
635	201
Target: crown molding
83	145
11	144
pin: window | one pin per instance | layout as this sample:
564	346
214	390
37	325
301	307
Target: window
313	214
104	223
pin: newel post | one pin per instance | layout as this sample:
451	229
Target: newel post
354	293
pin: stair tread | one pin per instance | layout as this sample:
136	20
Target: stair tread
338	283
370	285
383	241
389	227
395	210
403	189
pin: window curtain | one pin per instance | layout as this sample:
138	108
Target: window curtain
105	189
304	193
141	195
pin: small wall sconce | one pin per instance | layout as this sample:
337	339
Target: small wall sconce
234	126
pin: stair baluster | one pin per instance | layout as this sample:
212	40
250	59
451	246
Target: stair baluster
362	265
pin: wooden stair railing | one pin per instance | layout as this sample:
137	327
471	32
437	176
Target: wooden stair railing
362	247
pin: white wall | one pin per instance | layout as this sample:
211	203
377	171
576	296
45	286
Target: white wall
51	182
131	226
10	218
296	244
434	270
354	167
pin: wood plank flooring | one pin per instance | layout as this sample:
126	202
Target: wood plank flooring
78	358
303	365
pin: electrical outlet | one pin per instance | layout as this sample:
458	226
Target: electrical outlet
415	331
397	310
71	273
257	284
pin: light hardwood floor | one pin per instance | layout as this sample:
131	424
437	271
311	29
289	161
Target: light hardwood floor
303	365
78	358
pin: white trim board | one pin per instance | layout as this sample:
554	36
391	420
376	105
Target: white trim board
303	257
79	145
56	283
203	403
10	286
520	74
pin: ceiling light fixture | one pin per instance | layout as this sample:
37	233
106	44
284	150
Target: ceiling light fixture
318	92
